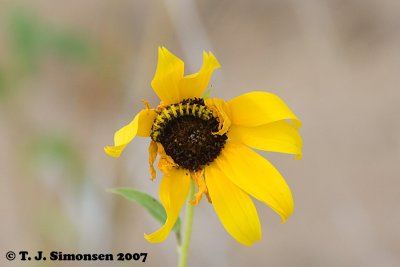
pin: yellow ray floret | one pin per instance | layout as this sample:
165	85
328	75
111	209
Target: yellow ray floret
233	206
194	85
140	125
174	189
172	86
279	136
258	108
256	176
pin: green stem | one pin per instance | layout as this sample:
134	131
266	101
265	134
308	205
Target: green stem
187	230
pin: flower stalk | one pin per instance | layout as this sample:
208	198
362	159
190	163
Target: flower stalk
183	249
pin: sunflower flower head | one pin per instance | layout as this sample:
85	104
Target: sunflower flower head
209	141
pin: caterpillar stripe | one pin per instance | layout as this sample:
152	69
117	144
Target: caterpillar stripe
188	107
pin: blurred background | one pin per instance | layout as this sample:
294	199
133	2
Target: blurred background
73	72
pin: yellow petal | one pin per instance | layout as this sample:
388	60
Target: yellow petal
256	176
170	70
140	125
194	85
278	136
234	207
258	108
174	189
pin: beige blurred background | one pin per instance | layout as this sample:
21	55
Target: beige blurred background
73	72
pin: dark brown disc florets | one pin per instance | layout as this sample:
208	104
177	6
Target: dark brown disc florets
186	132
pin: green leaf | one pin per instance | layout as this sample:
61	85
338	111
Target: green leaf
152	205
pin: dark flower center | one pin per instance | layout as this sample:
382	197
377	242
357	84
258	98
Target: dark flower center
186	131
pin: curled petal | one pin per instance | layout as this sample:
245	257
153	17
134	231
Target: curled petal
174	189
256	176
152	158
198	179
194	85
165	163
140	125
170	70
221	110
258	108
279	136
233	206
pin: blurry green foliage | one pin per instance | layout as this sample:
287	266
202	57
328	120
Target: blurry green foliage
31	40
69	45
60	151
150	204
25	39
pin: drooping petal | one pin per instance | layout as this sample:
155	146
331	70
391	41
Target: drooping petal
233	206
258	108
194	85
170	70
279	136
173	191
140	125
256	176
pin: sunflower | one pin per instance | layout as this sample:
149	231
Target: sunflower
209	141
